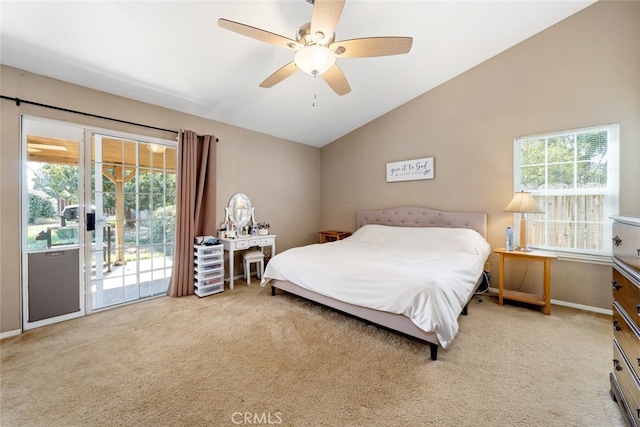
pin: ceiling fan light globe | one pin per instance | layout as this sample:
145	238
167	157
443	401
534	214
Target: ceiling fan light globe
315	60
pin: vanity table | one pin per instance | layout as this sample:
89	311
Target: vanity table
239	216
242	243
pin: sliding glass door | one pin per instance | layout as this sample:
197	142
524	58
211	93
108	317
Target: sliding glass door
98	219
133	185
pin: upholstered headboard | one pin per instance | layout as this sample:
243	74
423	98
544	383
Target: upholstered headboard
414	216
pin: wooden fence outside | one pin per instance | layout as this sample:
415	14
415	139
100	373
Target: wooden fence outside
572	221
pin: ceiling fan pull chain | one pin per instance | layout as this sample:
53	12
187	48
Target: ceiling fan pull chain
315	91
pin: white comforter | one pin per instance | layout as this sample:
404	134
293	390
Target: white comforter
426	274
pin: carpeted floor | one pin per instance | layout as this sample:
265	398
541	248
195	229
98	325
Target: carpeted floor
243	357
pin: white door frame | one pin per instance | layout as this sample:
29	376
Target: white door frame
60	129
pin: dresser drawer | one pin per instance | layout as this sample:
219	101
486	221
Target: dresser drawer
200	251
628	338
242	244
266	241
627	293
626	243
627	381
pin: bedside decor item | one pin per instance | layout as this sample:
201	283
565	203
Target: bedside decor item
509	238
523	204
263	228
410	170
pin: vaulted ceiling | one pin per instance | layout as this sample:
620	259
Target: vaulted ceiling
173	54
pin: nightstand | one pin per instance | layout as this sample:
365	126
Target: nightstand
333	235
529	298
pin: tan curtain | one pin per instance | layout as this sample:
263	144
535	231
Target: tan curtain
195	204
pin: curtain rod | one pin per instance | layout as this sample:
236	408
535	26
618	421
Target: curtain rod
53	107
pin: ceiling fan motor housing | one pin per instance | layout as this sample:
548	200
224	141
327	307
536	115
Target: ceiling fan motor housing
305	37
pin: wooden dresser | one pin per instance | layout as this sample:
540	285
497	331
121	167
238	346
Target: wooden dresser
625	376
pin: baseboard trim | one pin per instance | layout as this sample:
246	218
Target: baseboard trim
582	307
572	305
9	334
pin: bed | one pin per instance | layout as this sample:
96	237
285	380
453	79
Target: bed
409	269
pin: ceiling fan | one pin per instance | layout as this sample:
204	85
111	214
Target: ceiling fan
316	47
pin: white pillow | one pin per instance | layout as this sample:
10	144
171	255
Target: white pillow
431	239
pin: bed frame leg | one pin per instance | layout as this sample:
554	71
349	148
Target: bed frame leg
273	291
465	310
434	351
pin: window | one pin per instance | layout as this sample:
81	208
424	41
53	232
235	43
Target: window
573	176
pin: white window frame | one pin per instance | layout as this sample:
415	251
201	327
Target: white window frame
611	192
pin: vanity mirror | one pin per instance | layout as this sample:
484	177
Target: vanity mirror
239	212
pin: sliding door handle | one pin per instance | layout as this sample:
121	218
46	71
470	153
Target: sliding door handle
91	221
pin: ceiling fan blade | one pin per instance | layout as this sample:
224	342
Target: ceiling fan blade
337	81
372	46
324	19
280	75
258	34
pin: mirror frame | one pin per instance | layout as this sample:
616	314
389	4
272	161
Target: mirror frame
233	210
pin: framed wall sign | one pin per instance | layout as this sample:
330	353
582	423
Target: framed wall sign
410	170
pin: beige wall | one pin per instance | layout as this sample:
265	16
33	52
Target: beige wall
282	178
581	72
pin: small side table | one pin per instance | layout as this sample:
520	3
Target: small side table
529	298
333	235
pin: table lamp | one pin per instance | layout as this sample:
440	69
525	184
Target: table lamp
523	204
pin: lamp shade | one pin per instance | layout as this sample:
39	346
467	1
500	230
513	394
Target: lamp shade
315	59
523	202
